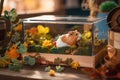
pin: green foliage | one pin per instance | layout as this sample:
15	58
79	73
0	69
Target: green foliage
34	48
44	50
2	50
84	51
68	61
107	6
29	60
11	15
31	48
54	50
57	61
59	68
6	14
15	37
4	58
37	48
62	49
21	49
48	68
15	65
4	61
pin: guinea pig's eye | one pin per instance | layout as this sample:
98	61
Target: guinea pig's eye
76	34
70	34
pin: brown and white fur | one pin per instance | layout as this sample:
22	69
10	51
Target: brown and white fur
68	39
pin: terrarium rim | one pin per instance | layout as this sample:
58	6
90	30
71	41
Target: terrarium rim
57	22
62	20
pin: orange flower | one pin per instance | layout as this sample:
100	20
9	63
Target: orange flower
33	31
12	53
25	44
18	27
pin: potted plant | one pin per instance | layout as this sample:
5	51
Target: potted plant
107	6
104	8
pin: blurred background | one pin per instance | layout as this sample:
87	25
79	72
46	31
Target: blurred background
58	7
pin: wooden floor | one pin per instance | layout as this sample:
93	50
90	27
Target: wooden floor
38	73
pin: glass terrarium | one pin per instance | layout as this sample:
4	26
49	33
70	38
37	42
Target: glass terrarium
66	37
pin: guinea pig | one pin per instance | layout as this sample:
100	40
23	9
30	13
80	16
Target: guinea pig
68	39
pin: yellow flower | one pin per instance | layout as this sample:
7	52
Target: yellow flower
47	43
31	41
52	72
86	35
8	34
42	30
75	65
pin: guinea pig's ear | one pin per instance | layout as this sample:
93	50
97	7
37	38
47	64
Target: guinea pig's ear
76	30
70	32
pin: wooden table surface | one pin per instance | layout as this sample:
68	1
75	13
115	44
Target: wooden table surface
38	73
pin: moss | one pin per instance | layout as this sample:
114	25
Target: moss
31	48
54	50
44	50
84	51
107	6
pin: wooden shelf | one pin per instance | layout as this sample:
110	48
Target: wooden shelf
38	73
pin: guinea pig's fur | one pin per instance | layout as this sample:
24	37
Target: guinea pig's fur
68	39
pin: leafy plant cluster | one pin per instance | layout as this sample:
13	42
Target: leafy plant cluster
16	47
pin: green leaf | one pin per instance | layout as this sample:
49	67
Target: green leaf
62	49
16	65
21	49
57	61
13	15
15	37
31	48
20	21
48	68
6	14
29	60
54	50
18	43
26	59
59	68
68	61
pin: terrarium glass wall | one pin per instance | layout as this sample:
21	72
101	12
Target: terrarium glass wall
69	35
